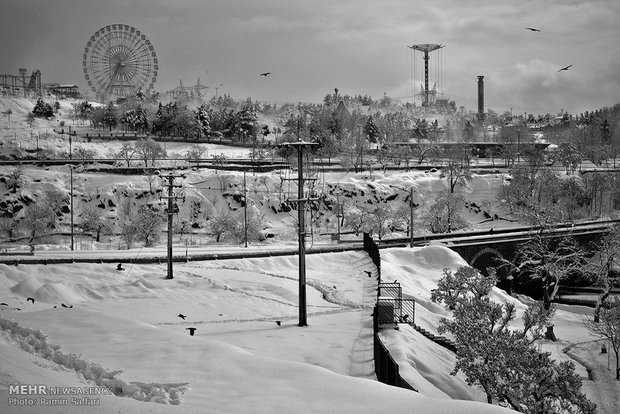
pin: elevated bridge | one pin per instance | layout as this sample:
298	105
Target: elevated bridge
480	248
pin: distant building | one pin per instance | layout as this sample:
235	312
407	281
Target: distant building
71	91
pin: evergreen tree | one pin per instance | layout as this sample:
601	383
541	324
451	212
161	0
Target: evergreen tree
371	130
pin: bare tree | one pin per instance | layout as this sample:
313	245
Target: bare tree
93	220
608	327
38	219
126	153
549	259
457	169
604	267
445	214
15	178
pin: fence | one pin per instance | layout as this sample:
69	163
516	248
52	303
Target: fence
386	368
372	249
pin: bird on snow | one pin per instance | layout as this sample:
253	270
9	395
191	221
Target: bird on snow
565	68
4	304
65	306
279	323
180	315
265	74
30	300
191	331
533	29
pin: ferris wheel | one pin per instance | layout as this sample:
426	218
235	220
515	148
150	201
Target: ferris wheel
119	61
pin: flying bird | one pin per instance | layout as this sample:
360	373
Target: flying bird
65	306
565	68
191	331
368	273
4	304
180	315
265	73
30	300
533	29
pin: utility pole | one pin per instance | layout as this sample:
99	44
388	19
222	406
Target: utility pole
245	213
411	215
170	211
339	214
301	210
71	169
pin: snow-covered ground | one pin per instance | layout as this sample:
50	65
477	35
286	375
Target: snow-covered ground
123	332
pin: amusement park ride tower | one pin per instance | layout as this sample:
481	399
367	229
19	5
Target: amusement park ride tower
426	48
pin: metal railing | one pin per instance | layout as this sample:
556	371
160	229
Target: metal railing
386	368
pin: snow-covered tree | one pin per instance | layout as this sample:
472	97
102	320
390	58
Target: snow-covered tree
93	220
608	327
457	168
549	260
147	225
604	267
500	359
444	215
220	225
458	285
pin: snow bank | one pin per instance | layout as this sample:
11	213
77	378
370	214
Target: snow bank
35	342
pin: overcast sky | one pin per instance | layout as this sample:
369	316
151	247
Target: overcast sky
357	46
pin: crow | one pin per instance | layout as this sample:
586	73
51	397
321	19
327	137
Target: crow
368	273
279	323
533	29
191	331
65	306
4	304
120	267
30	300
180	315
265	74
565	68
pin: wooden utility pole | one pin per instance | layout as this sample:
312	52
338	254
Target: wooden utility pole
245	213
71	169
411	215
301	210
170	211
